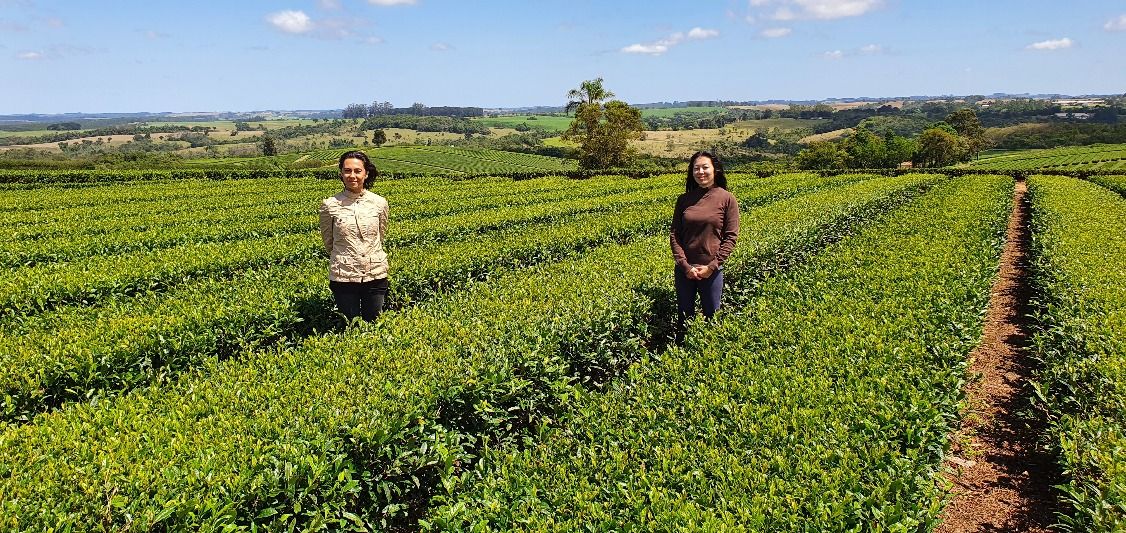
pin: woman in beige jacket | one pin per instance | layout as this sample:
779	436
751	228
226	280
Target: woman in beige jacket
354	226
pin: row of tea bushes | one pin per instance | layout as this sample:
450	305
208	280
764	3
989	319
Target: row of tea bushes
114	229
80	352
1114	183
77	353
1079	245
823	405
356	429
29	290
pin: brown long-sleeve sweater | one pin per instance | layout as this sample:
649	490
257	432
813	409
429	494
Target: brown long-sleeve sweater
705	225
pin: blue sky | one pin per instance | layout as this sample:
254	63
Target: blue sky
247	55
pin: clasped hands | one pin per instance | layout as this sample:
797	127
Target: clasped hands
699	272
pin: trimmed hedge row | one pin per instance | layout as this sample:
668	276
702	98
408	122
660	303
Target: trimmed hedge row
1079	272
77	353
824	405
207	220
26	291
1115	183
81	177
351	430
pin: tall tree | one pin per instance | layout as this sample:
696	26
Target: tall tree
822	155
269	146
602	130
940	146
589	92
965	122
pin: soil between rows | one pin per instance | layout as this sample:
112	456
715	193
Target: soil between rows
999	471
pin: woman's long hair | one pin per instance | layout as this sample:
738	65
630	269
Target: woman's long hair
720	178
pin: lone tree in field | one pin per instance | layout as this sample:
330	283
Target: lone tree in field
378	137
603	131
269	147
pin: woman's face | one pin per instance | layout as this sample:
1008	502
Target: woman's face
353	175
703	172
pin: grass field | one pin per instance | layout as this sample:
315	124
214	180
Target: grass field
544	122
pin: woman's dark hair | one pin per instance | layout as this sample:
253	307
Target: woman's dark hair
368	165
720	178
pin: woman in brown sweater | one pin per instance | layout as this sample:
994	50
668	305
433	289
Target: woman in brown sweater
705	226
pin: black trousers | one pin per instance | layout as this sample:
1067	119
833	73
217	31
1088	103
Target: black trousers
359	299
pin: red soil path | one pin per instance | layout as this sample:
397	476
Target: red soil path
999	472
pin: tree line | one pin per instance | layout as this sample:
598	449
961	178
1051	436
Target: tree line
376	109
957	138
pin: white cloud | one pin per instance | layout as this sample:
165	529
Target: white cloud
1116	24
441	47
31	56
785	10
329	4
871	49
774	33
374	40
291	21
701	33
835	54
835	9
392	2
784	14
663	45
154	35
1052	44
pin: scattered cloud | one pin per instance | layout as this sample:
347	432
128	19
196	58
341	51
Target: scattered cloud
661	46
55	52
374	40
786	10
866	50
835	9
1116	24
774	33
154	35
392	2
331	5
291	21
55	22
1051	44
701	33
299	23
441	47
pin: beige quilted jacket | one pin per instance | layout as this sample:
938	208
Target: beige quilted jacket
353	227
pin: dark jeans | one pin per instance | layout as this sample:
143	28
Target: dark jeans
710	291
363	299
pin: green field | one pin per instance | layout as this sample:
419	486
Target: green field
409	159
671	111
784	124
170	359
1095	157
544	122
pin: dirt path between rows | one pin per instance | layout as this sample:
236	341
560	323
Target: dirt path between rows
1001	478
